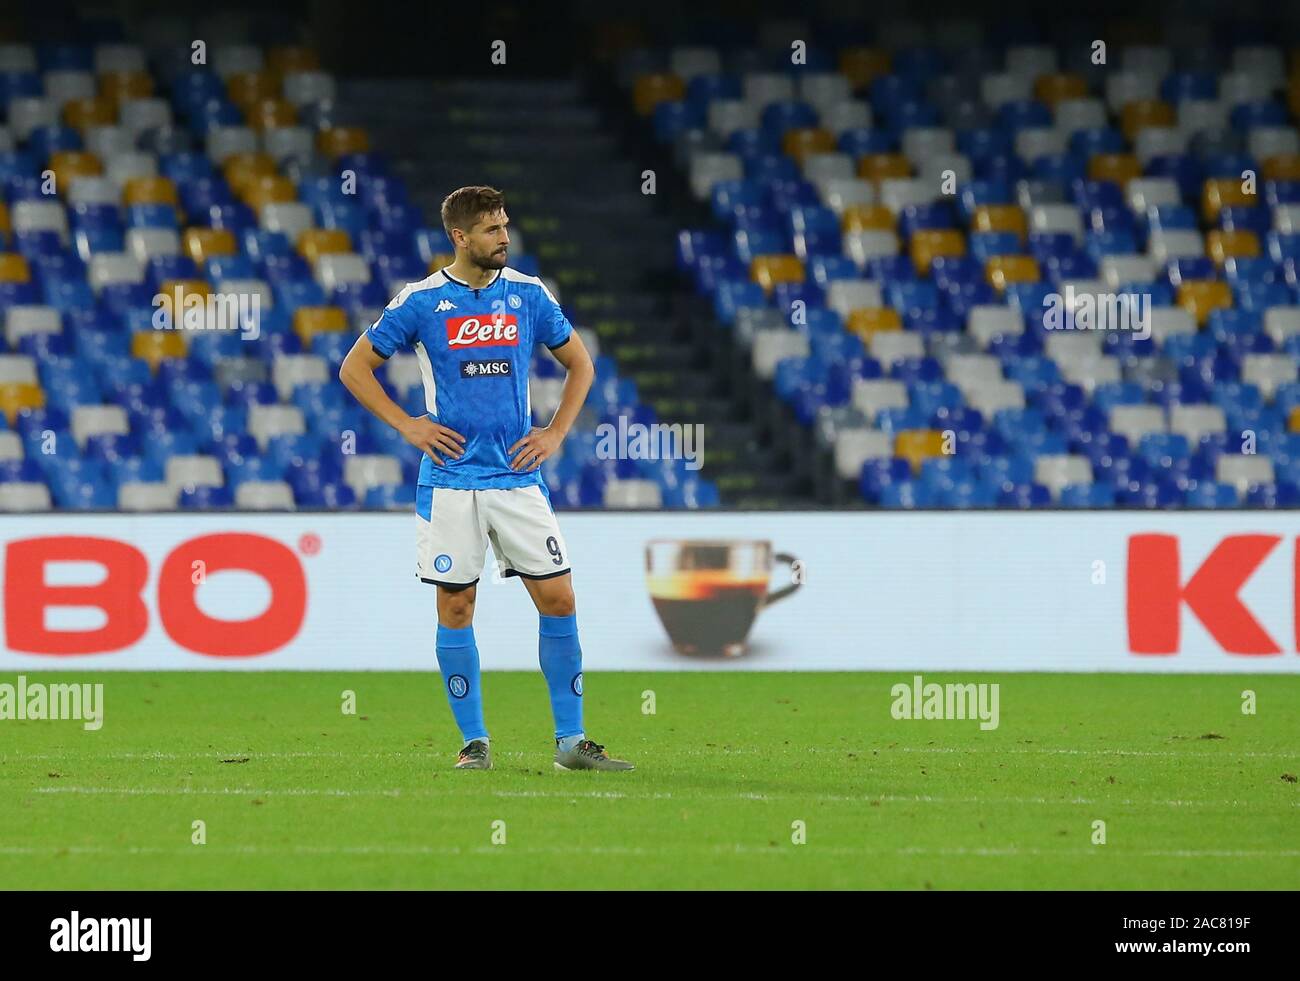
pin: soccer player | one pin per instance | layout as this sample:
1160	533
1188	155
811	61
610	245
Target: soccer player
473	326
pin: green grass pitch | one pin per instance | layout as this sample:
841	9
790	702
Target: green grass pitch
295	794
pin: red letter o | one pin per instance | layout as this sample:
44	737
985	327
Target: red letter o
193	629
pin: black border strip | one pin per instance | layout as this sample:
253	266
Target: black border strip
525	575
456	586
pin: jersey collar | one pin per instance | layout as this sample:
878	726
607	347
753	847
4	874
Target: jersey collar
461	282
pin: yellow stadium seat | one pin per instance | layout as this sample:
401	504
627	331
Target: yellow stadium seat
310	321
343	139
156	346
96	110
199	286
1225	192
68	165
150	190
248	88
292	58
1118	167
1002	270
930	243
316	242
1241	244
118	87
267	189
14	268
172	291
1142	114
201	244
1281	167
867	218
441	260
6	224
768	270
999	218
878	166
650	90
862	66
270	114
799	143
916	445
16	396
866	321
1201	297
242	169
1293	422
1057	88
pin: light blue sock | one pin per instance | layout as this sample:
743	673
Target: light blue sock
560	656
458	662
569	743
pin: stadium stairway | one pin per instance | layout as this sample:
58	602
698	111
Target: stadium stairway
573	188
769	461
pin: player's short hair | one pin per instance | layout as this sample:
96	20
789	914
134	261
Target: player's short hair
463	207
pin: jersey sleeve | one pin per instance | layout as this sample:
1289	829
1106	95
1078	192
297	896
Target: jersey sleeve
395	329
553	328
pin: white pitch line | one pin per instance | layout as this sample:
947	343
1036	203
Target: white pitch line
612	794
426	793
1010	851
340	792
223	791
321	850
1226	754
432	754
1064	852
1089	801
251	755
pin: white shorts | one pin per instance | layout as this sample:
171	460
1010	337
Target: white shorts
456	525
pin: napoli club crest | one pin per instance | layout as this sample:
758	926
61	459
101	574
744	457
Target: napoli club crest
514	301
442	563
458	685
576	684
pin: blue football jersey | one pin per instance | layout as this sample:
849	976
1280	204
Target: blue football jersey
474	348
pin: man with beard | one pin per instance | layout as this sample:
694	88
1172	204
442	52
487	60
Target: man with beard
473	326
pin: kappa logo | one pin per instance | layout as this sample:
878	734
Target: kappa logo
474	331
443	306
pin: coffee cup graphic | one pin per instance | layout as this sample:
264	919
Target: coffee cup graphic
708	593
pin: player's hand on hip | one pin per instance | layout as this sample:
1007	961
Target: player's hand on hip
540	444
431	438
